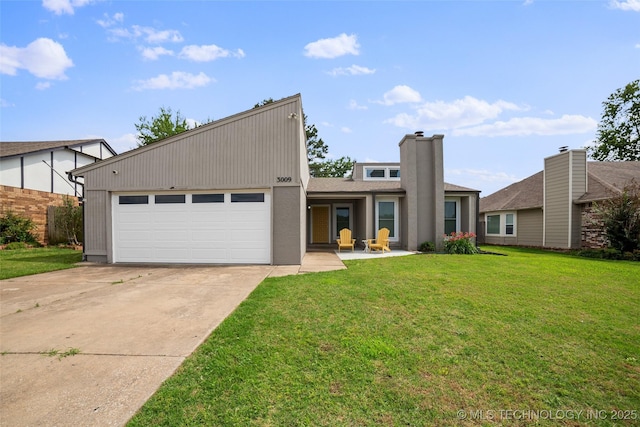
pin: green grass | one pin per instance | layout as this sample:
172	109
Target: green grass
413	340
24	262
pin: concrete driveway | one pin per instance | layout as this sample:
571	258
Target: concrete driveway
132	325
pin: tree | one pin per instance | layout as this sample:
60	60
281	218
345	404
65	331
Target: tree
68	218
621	218
317	151
160	127
618	136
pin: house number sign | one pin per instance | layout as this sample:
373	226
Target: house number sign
283	179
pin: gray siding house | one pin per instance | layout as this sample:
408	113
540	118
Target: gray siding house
238	190
554	208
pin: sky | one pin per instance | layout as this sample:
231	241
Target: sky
506	82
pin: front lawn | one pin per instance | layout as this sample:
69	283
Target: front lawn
23	262
422	340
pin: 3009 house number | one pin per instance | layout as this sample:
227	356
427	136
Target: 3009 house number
283	179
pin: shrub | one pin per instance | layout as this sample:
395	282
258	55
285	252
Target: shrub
68	218
16	228
15	246
621	217
427	247
460	243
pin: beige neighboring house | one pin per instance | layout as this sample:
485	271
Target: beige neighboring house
239	190
554	208
34	175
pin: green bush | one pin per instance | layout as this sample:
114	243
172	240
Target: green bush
16	228
460	243
610	254
15	246
427	247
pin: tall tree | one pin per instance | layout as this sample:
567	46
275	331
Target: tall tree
160	127
317	151
618	136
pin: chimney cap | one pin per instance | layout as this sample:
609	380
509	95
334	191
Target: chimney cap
419	133
564	148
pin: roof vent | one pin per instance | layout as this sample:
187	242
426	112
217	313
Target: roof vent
420	133
563	148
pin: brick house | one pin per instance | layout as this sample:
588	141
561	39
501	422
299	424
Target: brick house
554	208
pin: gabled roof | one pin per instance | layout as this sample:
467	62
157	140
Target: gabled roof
604	179
16	148
348	185
525	194
609	178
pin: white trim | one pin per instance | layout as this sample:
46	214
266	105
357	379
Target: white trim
457	201
396	216
503	223
334	219
385	168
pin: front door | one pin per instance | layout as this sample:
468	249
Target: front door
320	224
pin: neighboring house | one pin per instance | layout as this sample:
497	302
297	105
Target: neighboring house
43	165
33	175
554	208
238	190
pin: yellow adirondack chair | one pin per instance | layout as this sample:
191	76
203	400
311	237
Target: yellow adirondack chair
345	240
381	243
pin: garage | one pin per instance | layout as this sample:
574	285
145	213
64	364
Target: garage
216	227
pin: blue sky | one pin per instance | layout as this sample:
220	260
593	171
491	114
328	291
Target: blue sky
506	82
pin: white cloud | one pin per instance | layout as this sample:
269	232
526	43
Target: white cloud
353	105
334	47
5	104
60	7
345	129
632	5
354	70
525	126
206	53
43	85
110	21
149	34
484	175
153	53
43	58
177	80
400	94
441	115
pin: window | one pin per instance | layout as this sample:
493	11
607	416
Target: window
343	218
169	198
493	224
133	200
247	197
207	198
450	216
375	173
502	224
382	173
509	224
386	217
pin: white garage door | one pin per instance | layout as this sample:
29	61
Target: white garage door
216	227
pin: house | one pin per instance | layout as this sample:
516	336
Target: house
554	208
33	175
238	190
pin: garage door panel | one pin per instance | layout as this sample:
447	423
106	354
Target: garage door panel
192	232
